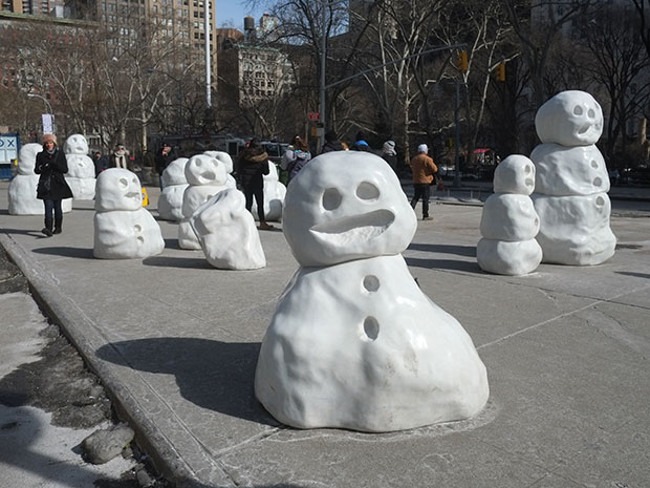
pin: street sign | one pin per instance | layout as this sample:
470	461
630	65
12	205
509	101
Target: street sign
313	116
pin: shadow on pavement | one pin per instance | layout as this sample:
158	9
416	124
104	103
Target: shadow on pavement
68	252
636	275
469	251
450	264
226	378
35	233
173	262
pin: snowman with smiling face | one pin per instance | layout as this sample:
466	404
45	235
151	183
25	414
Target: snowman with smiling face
81	169
572	182
354	343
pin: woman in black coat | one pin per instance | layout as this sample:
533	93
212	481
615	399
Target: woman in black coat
52	188
252	165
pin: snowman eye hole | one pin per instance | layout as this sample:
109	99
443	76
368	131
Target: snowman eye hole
577	110
331	198
123	182
367	191
591	113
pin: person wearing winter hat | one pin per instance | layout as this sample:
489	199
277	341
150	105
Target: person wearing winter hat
389	154
332	142
52	188
423	169
360	143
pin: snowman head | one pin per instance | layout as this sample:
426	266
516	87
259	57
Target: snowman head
76	144
203	169
218	213
27	157
118	189
515	174
346	205
222	157
570	118
174	173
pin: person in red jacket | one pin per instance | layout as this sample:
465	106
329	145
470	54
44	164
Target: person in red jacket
423	169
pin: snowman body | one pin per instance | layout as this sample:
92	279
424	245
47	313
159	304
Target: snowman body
354	343
227	232
122	228
170	202
509	222
81	170
572	182
206	176
22	187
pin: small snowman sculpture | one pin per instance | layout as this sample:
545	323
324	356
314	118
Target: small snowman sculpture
509	222
572	182
227	232
123	229
170	202
81	170
274	193
22	187
206	176
354	343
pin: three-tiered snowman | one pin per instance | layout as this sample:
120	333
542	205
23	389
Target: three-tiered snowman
354	343
572	182
509	222
81	169
123	229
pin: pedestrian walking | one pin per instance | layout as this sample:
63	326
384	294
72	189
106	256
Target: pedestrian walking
52	188
120	157
423	170
164	156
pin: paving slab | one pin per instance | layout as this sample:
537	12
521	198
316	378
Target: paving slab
567	351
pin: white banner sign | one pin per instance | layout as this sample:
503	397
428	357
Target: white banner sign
48	123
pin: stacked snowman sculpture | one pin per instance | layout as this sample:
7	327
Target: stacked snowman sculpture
81	170
509	222
22	187
274	193
572	182
123	229
207	175
170	202
354	343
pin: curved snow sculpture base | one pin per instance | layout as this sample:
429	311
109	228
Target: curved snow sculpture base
227	232
509	217
508	258
325	362
125	234
82	188
22	197
170	202
575	229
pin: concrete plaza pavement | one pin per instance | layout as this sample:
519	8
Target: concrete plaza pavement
175	341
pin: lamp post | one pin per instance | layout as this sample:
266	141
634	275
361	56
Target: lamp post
323	65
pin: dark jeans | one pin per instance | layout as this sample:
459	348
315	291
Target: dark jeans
422	190
53	207
257	190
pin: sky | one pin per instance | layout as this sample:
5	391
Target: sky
234	11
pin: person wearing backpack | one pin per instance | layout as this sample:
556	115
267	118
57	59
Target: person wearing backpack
296	157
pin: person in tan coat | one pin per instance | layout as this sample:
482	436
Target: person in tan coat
423	169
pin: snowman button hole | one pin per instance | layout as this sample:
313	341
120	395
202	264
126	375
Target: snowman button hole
371	328
371	283
367	191
331	199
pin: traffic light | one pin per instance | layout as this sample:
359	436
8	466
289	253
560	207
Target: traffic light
463	62
501	71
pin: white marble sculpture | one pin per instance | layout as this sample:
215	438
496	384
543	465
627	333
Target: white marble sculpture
354	343
274	193
81	169
227	232
123	229
572	182
509	222
225	158
206	176
170	201
22	188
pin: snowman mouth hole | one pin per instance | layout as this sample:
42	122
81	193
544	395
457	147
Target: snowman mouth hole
133	194
359	227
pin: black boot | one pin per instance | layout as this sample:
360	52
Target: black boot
58	227
47	230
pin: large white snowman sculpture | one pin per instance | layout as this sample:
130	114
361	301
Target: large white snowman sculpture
22	187
274	193
354	343
509	222
206	176
225	159
572	182
170	202
227	232
81	170
123	229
